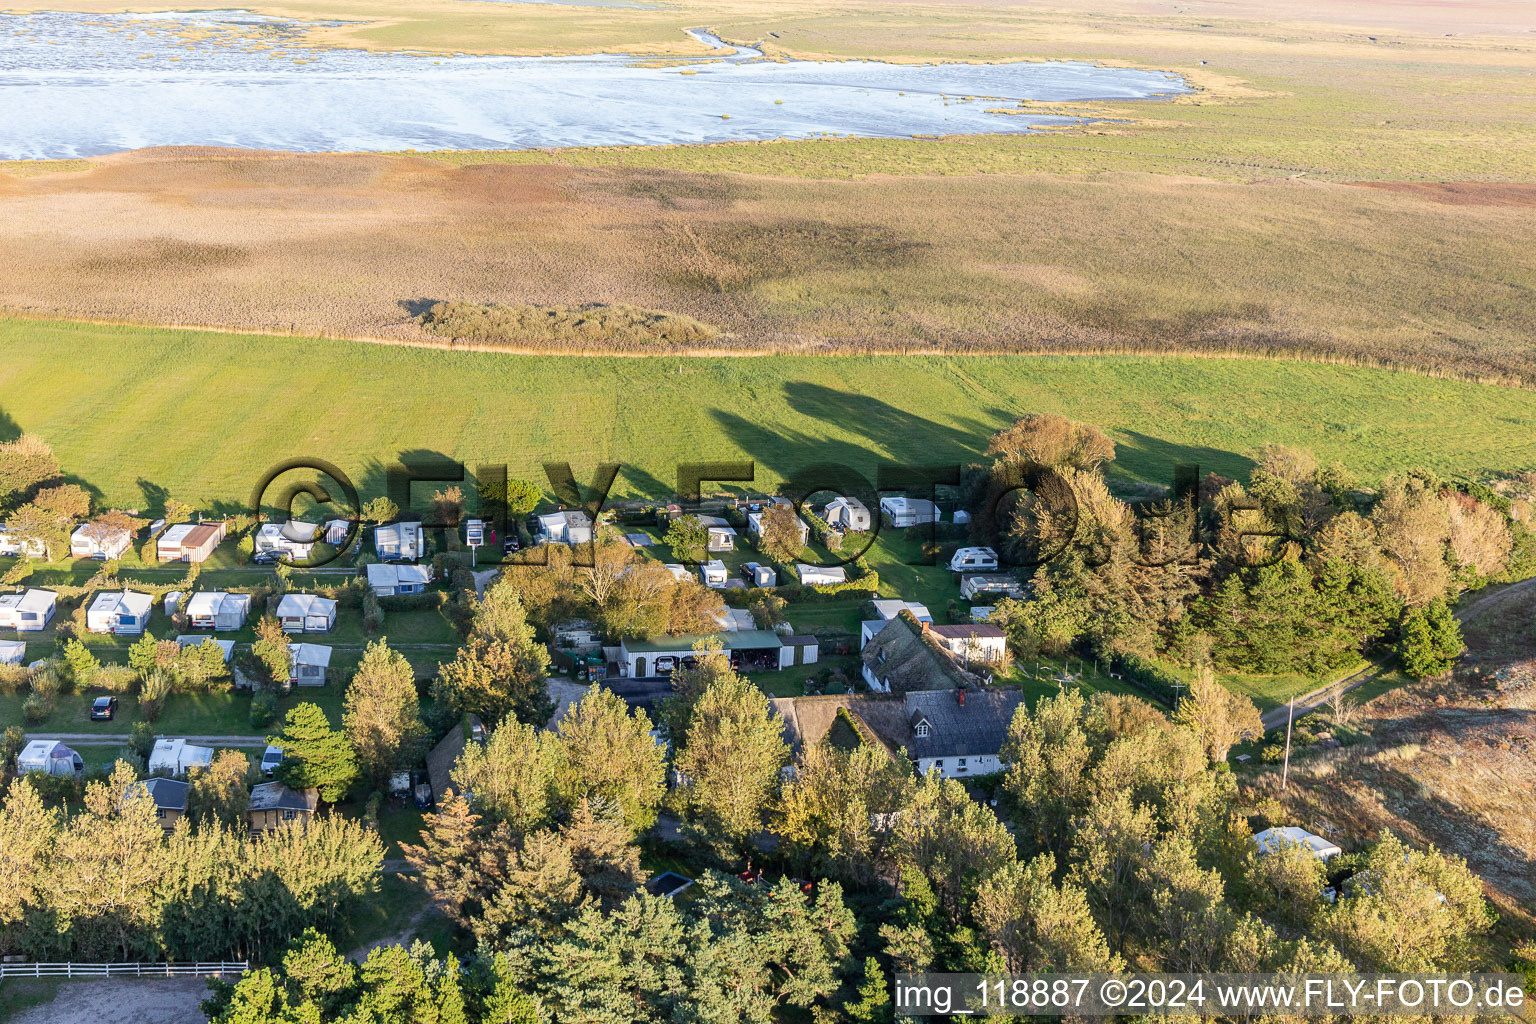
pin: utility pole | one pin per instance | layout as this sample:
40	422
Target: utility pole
1285	773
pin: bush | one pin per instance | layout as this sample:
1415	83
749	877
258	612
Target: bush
11	742
13	678
114	679
588	323
36	708
263	709
152	693
82	663
427	599
142	740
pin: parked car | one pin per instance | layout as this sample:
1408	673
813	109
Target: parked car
270	760
103	708
264	558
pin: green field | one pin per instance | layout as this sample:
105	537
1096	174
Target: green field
132	410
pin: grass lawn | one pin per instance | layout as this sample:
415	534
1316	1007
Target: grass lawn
785	413
211	714
20	994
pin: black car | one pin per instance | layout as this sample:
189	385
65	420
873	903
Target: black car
103	708
265	558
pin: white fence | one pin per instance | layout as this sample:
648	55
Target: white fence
163	970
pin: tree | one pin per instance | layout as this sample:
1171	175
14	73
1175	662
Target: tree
1051	441
176	510
1038	926
513	776
103	527
34	524
314	754
1219	717
953	841
835	815
380	510
222	790
732	755
496	678
779	536
873	1005
383	713
273	650
1431	640
519	496
25	465
1408	910
686	535
611	755
602	853
69	502
448	505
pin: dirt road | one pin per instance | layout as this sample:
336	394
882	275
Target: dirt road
122	1001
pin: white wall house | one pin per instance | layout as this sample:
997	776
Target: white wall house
389	580
820	576
847	513
307	664
12	543
306	613
973	560
990	585
972	642
399	541
749	650
217	610
28	611
92	540
959	733
755	523
121	614
902	511
177	757
295	538
568	527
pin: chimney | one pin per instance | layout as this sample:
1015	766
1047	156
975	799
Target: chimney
924	623
960	695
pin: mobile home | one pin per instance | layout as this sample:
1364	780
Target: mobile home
820	576
217	610
295	539
902	512
847	513
95	540
189	542
121	614
28	611
49	757
177	757
398	542
389	580
307	664
306	613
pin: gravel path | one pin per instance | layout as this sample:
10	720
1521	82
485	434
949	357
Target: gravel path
122	1001
105	739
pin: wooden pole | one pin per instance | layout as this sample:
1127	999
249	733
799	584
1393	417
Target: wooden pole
1285	773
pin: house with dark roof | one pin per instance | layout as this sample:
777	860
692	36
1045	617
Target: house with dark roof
170	797
906	655
959	733
274	805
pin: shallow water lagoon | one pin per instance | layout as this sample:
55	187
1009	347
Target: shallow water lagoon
75	85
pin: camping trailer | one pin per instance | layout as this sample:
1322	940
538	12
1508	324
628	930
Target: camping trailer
49	757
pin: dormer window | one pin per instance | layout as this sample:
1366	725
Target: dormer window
922	729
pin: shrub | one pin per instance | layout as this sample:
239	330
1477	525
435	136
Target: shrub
114	678
11	742
82	663
142	740
587	323
427	599
13	678
36	708
152	693
263	709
